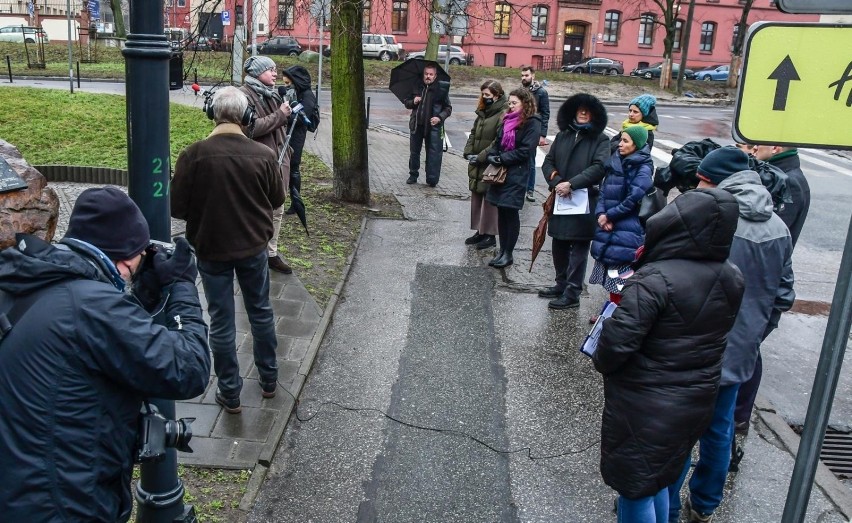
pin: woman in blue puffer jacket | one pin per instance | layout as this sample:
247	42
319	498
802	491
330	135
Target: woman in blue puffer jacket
620	233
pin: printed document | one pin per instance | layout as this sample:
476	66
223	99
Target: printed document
576	203
591	344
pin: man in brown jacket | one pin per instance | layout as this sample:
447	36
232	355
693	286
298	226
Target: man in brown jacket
226	188
270	129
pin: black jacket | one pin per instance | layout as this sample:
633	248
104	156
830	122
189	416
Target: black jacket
542	106
302	85
661	352
794	213
73	372
438	93
517	161
579	157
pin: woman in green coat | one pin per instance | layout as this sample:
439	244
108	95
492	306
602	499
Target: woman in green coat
483	215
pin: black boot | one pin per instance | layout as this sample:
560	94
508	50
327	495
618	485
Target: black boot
496	259
476	238
486	242
551	292
564	302
504	261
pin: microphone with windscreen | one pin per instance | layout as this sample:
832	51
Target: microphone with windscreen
298	108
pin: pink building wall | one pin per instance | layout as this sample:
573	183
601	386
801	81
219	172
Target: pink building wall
724	13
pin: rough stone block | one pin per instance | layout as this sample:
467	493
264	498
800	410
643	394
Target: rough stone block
34	210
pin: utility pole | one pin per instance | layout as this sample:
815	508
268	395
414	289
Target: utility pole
684	53
239	45
70	48
254	26
159	493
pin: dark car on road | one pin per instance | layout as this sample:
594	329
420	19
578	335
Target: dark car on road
595	65
655	70
286	45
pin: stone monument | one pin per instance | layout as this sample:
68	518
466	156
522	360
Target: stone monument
27	204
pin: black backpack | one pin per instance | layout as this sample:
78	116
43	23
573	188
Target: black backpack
314	117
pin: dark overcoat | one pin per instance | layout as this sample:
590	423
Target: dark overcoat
511	194
661	351
577	156
481	137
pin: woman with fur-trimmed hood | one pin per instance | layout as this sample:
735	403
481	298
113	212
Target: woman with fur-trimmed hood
576	161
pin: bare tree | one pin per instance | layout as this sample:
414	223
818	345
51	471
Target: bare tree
118	16
664	14
737	45
349	118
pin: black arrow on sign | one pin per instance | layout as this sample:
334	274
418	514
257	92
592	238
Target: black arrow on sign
784	73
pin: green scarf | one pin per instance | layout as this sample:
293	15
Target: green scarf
648	127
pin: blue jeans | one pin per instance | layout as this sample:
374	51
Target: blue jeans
708	480
218	281
531	179
650	509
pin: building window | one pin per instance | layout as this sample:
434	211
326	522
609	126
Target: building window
365	17
399	17
539	22
261	28
181	3
646	29
708	32
501	19
499	59
611	21
678	34
285	14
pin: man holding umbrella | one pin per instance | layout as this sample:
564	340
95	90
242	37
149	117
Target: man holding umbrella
429	101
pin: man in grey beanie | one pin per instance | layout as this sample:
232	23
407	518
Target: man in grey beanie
270	129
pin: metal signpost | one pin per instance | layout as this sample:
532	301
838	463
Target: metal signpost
788	97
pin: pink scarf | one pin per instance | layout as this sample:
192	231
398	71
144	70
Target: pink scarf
510	125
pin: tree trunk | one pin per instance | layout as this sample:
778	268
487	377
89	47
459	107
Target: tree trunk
737	46
434	39
666	73
349	118
118	16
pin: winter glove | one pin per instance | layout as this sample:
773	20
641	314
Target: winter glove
494	159
472	159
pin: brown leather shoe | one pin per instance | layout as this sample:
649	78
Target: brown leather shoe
276	263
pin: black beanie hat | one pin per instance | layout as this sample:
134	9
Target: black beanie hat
722	163
108	219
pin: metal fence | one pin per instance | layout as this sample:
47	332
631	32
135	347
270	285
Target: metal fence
548	63
45	7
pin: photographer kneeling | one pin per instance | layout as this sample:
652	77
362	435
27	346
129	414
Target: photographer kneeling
78	355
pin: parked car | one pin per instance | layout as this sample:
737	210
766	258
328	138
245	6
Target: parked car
20	34
202	43
383	47
457	55
716	72
595	65
655	70
280	45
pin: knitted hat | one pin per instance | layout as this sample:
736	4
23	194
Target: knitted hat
256	65
638	134
645	102
108	219
722	163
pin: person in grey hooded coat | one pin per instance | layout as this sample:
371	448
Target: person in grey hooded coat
762	250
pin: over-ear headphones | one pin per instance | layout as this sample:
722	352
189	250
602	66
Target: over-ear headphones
248	117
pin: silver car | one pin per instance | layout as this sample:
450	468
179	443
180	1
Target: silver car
20	34
383	47
457	55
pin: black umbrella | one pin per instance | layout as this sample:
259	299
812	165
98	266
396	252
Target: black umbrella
295	198
408	76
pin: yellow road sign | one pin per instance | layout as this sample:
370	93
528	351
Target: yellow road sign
796	86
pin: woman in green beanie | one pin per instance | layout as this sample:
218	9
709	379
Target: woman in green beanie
641	110
620	233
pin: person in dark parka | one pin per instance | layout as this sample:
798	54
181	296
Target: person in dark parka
296	81
661	351
430	107
575	161
516	142
82	354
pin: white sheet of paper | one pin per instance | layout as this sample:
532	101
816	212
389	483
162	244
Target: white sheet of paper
577	203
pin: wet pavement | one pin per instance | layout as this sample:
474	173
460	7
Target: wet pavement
497	413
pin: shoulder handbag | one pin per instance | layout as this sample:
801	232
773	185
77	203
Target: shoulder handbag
651	204
494	174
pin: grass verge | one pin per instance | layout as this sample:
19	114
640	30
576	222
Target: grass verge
55	127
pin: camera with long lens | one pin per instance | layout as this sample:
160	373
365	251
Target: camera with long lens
158	433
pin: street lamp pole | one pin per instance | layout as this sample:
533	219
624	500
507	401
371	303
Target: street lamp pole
159	493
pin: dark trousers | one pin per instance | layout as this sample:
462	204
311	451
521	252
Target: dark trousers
434	153
508	227
297	142
748	393
569	259
218	281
